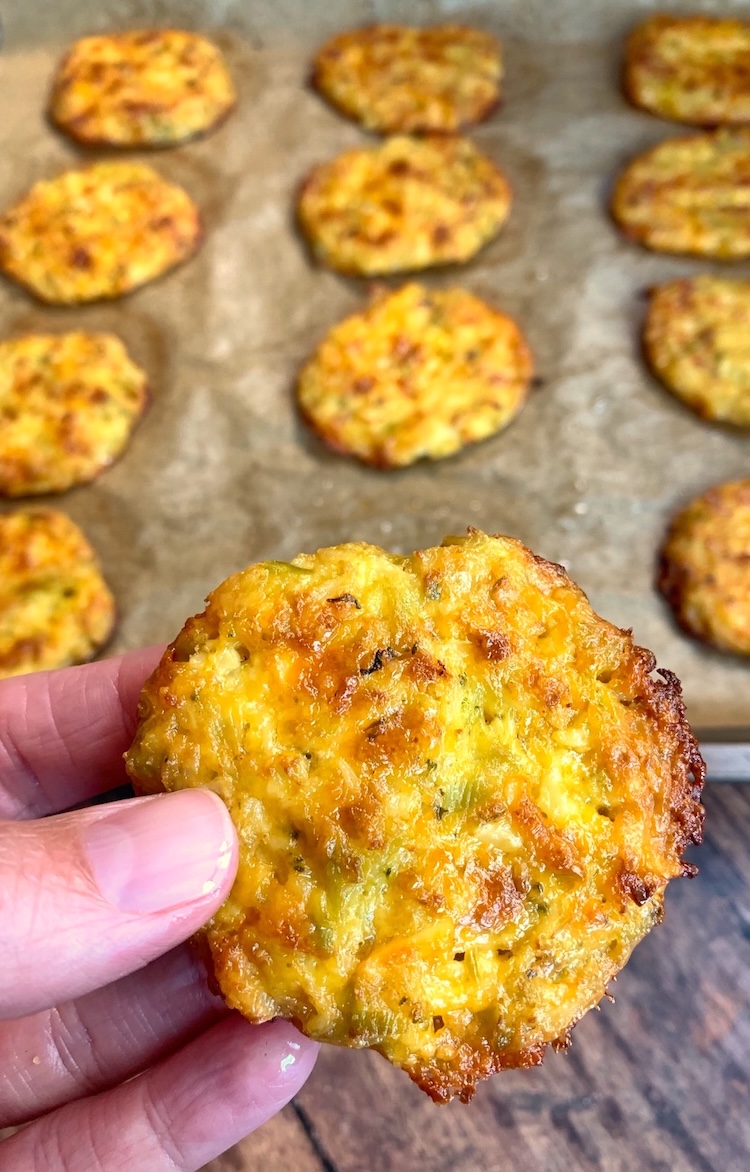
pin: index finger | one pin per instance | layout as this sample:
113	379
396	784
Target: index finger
63	733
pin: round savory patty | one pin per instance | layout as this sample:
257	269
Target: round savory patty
406	204
68	404
689	194
97	232
459	795
697	340
150	87
419	373
396	79
55	607
690	68
705	567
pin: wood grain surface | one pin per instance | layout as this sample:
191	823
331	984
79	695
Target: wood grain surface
657	1082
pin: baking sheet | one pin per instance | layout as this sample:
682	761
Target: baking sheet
220	472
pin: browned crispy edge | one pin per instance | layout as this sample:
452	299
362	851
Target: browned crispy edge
628	230
648	353
308	237
660	694
637	50
672	582
661	697
378	460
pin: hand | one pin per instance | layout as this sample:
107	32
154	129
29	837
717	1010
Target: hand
96	982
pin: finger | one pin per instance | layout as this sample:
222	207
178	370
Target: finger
98	1041
63	733
178	1115
87	897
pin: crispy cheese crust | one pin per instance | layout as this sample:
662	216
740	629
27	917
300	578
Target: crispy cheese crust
97	232
697	340
55	607
692	69
148	87
418	374
407	204
459	796
68	404
396	79
689	194
705	567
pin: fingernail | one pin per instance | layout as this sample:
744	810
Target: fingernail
154	854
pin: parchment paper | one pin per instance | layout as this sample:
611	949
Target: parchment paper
220	473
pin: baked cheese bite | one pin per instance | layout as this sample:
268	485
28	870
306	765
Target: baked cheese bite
690	195
55	607
697	341
692	69
68	405
704	571
398	79
409	203
97	232
419	373
459	795
146	87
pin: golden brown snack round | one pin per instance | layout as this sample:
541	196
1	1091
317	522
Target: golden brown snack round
459	793
418	374
705	567
97	232
693	69
397	79
689	194
147	87
68	405
407	204
697	340
55	607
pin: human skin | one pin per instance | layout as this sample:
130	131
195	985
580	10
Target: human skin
97	983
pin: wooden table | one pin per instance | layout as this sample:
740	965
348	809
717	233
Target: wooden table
658	1082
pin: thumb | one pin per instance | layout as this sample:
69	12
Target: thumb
87	897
